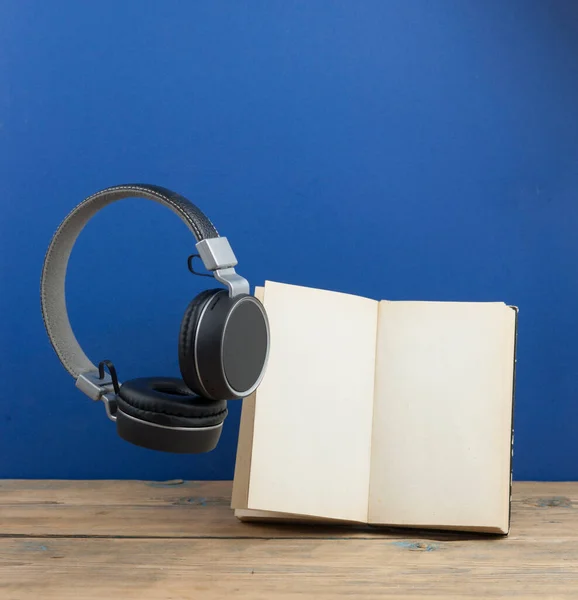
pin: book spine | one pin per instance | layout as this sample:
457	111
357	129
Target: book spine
516	310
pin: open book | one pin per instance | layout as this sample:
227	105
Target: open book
382	413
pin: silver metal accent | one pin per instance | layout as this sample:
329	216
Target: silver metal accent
218	256
216	253
110	405
245	393
210	428
90	384
236	284
99	389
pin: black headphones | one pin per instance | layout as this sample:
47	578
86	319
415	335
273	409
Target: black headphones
223	342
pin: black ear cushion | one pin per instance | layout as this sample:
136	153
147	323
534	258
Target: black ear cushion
168	401
187	338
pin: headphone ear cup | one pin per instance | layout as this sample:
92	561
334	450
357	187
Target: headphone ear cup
167	401
187	337
161	413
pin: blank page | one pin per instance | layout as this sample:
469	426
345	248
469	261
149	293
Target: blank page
443	409
313	409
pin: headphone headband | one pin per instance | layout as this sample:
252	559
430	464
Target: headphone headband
215	252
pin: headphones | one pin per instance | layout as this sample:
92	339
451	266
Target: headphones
223	342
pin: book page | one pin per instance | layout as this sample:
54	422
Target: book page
443	409
313	410
248	515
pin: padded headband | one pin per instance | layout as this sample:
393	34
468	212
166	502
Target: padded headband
215	252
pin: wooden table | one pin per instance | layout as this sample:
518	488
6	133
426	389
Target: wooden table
159	540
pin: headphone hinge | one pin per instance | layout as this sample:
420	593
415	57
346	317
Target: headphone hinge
95	388
236	284
218	256
216	253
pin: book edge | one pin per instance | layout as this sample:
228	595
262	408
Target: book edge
516	311
262	516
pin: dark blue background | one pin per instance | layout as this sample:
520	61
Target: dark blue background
394	149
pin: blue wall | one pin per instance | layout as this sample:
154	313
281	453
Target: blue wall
394	149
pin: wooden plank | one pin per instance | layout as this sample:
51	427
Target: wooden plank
540	511
131	509
61	569
144	553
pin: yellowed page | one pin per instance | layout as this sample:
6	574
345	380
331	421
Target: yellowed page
313	409
279	517
442	422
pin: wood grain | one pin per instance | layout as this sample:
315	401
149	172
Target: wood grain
147	540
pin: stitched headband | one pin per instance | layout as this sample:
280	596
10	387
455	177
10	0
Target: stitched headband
215	252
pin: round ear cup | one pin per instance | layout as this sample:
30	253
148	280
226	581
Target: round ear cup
161	413
223	345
